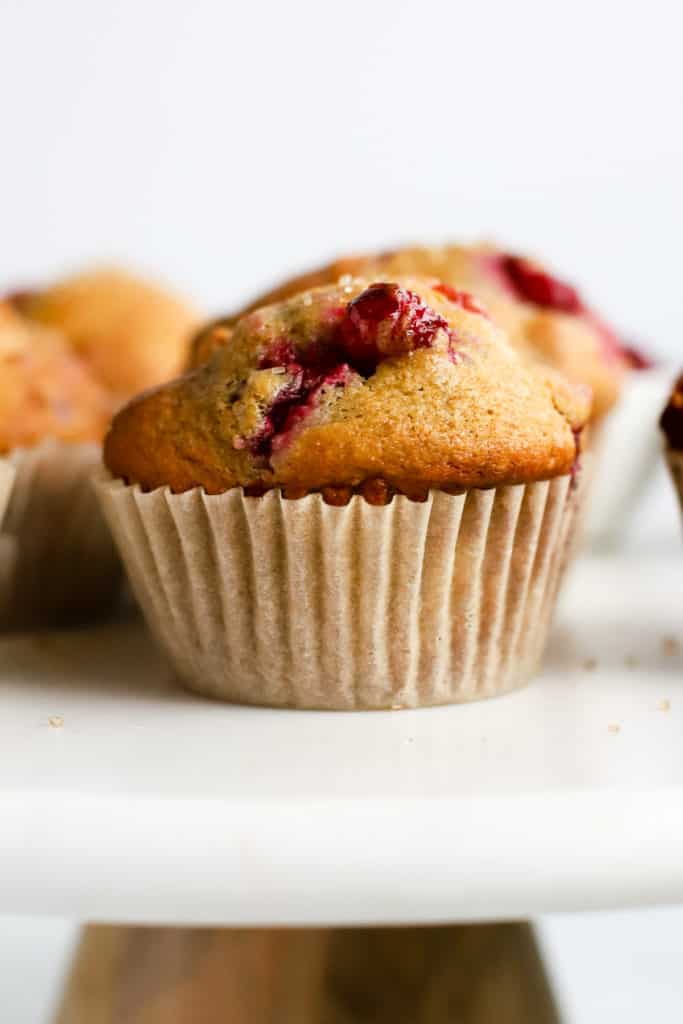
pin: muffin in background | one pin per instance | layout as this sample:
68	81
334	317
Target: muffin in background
364	500
46	390
57	561
544	317
131	332
671	423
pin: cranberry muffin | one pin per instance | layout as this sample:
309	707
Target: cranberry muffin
671	423
45	389
364	499
132	333
545	318
57	561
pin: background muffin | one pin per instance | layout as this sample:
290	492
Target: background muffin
132	333
398	394
45	389
57	561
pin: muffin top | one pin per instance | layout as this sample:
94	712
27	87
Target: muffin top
544	317
671	421
407	382
45	389
133	334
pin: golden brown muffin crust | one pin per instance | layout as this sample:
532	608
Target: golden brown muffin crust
348	383
133	333
544	317
45	389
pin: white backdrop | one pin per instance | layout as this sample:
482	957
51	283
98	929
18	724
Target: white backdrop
224	144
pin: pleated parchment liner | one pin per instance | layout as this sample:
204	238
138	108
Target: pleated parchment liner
593	439
58	563
675	463
300	604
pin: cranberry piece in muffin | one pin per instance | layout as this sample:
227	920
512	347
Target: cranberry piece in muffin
296	398
461	298
308	402
532	283
387	320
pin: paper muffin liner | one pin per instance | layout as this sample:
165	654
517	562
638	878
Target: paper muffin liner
58	563
295	603
675	462
590	462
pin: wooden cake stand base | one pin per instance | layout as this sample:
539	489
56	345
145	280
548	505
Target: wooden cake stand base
462	974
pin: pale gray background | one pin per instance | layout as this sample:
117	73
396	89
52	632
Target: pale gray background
222	145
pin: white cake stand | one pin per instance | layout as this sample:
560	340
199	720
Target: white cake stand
124	800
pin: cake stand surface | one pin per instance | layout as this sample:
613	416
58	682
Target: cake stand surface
125	800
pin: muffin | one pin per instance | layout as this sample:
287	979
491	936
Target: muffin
363	500
544	317
132	333
45	389
671	423
57	561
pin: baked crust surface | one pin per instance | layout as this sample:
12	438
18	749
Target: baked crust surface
133	333
362	380
544	318
46	390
